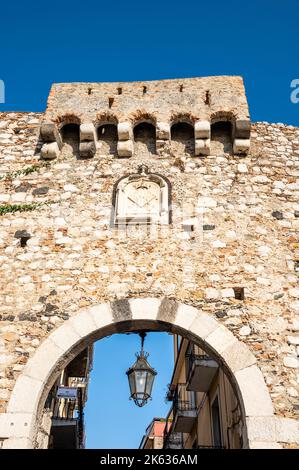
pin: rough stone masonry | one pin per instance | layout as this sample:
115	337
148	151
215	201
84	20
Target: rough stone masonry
232	247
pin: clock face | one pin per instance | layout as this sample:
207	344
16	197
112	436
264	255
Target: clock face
142	198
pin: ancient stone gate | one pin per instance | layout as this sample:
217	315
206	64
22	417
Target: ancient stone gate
124	192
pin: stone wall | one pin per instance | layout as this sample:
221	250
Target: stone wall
234	225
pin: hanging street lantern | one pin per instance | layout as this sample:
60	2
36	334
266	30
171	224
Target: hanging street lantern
141	377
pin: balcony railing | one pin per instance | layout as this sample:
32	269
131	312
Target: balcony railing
200	370
172	439
184	408
68	412
183	399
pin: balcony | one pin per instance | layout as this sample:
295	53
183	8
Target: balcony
172	439
184	409
201	370
67	430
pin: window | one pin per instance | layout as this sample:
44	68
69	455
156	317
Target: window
141	198
216	423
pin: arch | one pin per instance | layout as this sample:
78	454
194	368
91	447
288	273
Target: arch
108	137
222	128
182	132
90	324
145	132
69	128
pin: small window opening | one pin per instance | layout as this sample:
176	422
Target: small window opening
145	134
239	293
181	88
119	91
110	102
208	98
144	90
107	135
221	137
70	134
183	133
23	236
89	91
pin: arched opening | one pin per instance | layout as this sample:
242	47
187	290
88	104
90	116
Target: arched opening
145	138
107	137
70	135
221	137
182	136
26	405
185	380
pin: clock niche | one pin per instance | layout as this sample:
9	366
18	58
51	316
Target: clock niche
141	198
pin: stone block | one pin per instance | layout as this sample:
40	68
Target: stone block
101	315
26	394
87	132
14	425
241	146
220	339
202	130
242	129
18	443
287	430
124	130
144	309
185	316
45	358
238	356
163	130
255	394
50	151
87	149
83	323
203	325
202	146
125	148
49	133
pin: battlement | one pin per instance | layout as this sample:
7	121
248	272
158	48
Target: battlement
159	106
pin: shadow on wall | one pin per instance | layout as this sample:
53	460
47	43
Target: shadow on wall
145	137
183	134
221	138
107	138
70	135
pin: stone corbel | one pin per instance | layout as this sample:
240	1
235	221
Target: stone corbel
125	143
50	151
53	143
202	134
49	133
242	130
87	140
241	146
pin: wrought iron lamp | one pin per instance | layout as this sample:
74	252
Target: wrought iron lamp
141	377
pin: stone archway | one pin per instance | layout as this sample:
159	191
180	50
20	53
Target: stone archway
19	425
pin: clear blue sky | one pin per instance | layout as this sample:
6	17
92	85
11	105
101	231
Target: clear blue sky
99	40
112	420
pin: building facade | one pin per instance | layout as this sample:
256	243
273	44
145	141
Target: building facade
154	205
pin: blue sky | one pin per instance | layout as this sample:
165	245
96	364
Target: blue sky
118	41
112	420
